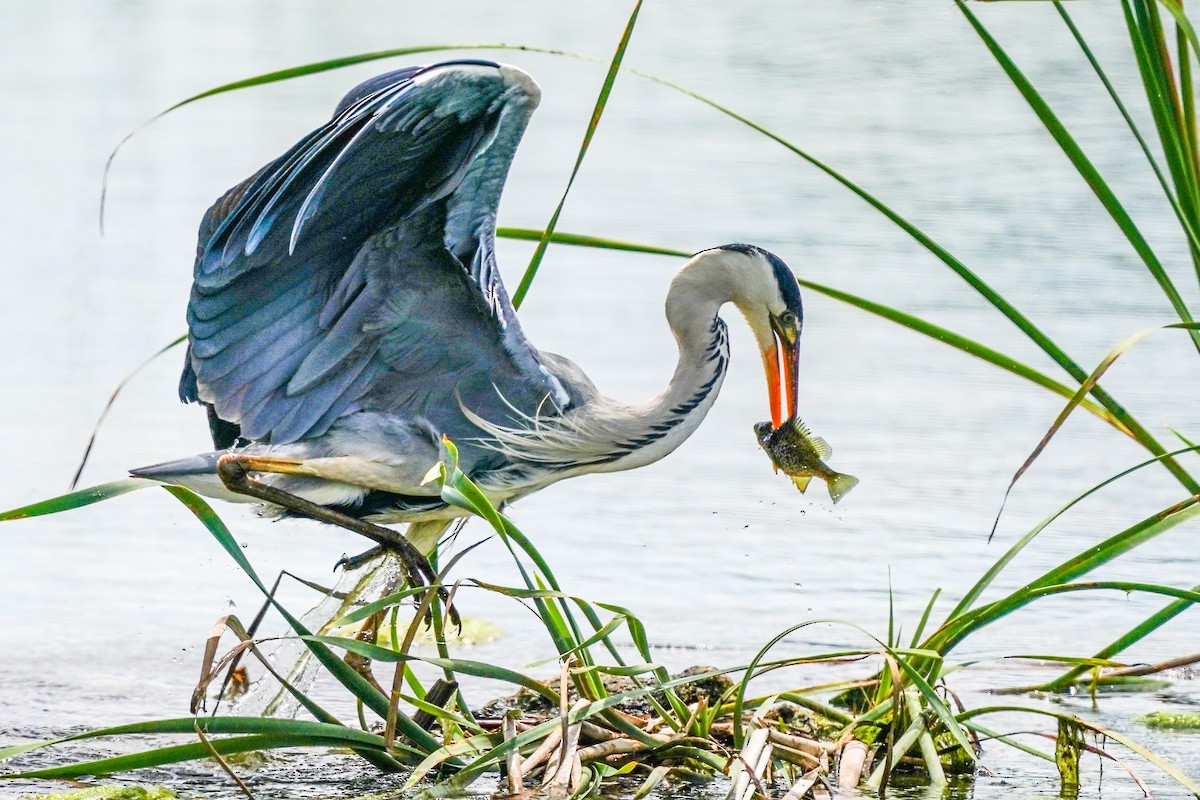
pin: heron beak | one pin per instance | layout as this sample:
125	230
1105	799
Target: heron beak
781	361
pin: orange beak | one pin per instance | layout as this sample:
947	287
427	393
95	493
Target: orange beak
781	361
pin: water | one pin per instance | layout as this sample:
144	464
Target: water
106	609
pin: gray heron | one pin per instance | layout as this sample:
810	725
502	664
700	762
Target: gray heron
347	313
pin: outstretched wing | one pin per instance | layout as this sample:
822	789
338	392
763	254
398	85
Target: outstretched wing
357	271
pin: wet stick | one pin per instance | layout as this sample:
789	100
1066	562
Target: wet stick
438	695
543	751
801	743
612	747
747	765
797	757
1150	669
512	763
851	764
568	757
801	787
596	733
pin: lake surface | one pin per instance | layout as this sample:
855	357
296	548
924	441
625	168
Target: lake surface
105	610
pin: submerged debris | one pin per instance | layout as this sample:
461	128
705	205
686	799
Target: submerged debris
1170	720
532	704
786	742
109	793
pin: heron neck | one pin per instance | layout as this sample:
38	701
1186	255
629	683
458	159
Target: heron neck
657	426
654	428
700	334
607	435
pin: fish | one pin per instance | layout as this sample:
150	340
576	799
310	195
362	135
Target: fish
794	449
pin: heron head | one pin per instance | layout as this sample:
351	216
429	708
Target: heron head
766	293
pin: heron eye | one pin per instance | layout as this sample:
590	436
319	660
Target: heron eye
788	319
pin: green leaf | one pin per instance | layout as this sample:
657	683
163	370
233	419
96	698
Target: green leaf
925	617
1084	388
1116	413
598	111
959	627
1130	637
176	754
478	669
582	240
1084	166
264	734
1182	779
975	591
343	672
372	608
1012	742
939	707
284	75
914	323
83	497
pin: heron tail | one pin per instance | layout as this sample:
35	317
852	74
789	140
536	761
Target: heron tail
198	473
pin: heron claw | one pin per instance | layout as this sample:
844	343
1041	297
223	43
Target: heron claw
348	563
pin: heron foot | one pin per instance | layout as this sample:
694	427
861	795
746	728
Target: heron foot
234	471
354	562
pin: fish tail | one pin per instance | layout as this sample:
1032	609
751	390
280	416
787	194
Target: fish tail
839	484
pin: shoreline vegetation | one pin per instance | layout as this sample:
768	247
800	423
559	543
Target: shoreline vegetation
615	720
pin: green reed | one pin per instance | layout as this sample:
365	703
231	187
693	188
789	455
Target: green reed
902	707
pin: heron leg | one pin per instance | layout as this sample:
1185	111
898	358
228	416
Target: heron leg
234	471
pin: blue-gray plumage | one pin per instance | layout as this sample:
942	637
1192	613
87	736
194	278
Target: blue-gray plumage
347	312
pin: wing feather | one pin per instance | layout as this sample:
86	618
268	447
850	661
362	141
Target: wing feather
357	271
340	342
286	334
211	336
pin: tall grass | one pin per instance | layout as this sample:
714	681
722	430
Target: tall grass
902	708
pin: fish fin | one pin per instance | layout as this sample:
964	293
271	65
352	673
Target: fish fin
801	482
822	447
816	442
840	484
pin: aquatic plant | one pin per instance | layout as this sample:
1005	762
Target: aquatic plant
899	716
794	737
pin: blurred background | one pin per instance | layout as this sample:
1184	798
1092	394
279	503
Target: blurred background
106	609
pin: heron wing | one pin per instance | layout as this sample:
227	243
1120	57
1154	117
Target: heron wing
357	271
